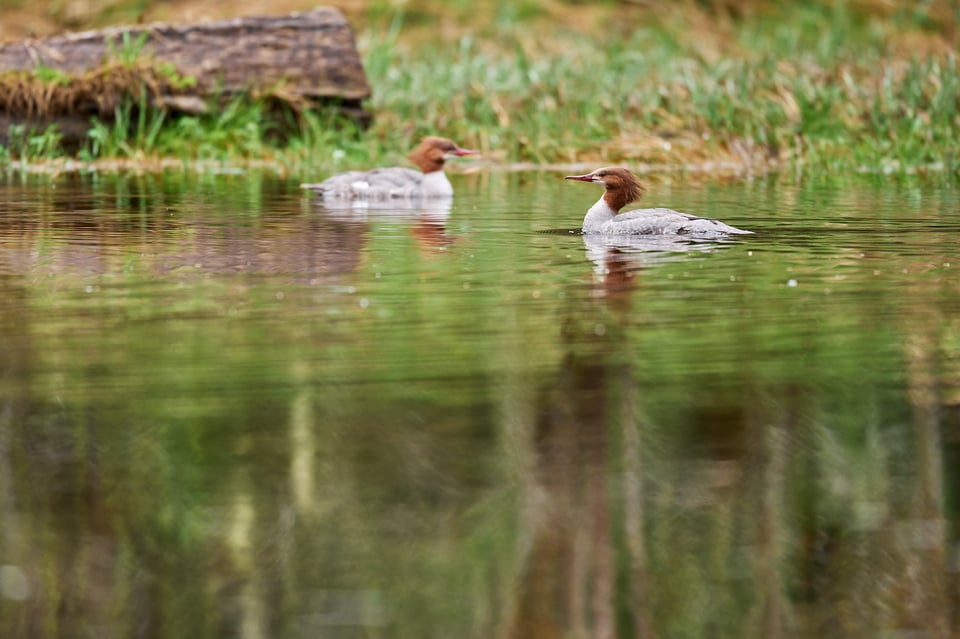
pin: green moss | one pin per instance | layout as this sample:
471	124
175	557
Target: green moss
821	86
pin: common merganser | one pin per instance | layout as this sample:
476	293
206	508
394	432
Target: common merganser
622	187
397	182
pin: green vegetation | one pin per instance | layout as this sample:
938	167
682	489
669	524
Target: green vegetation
130	49
29	145
822	87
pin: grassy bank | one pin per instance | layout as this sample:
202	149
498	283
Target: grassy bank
831	87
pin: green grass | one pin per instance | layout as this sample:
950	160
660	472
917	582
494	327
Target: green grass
833	106
819	88
30	145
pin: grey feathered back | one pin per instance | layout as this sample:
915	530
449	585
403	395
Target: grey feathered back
664	221
384	184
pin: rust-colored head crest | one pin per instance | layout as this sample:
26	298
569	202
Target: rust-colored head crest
622	186
434	151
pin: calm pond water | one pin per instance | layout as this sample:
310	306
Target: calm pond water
226	411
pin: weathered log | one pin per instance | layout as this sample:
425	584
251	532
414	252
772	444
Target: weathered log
303	59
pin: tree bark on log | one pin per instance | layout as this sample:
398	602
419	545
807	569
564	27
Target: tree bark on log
303	59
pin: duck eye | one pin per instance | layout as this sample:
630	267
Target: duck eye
602	174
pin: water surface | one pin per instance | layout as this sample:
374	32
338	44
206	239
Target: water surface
227	411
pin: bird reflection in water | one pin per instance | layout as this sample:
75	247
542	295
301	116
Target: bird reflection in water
426	218
618	258
587	479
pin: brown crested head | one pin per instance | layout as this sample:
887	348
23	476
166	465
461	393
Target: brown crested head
434	151
622	186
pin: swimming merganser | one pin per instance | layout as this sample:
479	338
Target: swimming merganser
397	182
622	187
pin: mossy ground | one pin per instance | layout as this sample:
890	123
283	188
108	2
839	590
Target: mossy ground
823	87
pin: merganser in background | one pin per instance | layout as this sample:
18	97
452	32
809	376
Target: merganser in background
398	182
622	187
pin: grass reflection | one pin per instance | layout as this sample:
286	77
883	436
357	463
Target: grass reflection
681	446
